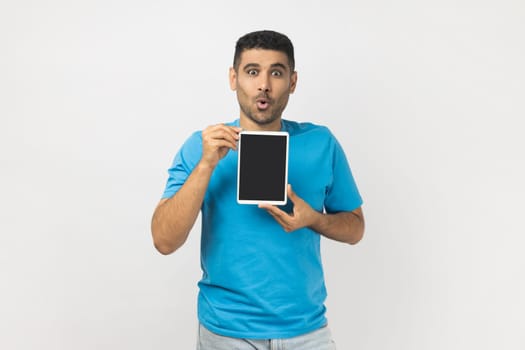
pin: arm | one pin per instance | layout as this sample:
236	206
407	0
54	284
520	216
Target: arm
345	227
174	217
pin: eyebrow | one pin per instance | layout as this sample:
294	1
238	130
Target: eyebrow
256	65
279	65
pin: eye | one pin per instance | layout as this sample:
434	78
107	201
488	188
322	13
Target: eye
252	72
276	73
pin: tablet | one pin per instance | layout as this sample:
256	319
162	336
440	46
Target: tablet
262	173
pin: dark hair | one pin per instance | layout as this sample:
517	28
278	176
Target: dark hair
264	39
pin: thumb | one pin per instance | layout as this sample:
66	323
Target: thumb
291	194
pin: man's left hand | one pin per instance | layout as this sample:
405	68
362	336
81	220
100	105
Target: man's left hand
303	214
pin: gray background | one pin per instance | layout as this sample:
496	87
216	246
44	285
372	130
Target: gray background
425	96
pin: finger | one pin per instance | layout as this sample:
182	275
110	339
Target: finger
231	134
220	132
281	220
215	136
221	129
291	194
282	217
221	143
275	211
219	126
217	144
233	131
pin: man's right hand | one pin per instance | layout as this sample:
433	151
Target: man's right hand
217	140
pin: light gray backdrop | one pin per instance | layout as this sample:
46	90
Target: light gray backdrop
427	98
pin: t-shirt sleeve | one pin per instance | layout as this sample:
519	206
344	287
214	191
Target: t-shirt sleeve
183	164
342	194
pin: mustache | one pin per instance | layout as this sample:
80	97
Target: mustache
263	95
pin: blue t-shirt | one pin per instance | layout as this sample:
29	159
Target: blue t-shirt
259	281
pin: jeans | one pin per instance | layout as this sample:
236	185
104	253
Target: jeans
320	339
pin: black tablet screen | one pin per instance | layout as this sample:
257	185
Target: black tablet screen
263	167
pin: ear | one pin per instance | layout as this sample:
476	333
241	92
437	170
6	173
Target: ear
293	82
233	79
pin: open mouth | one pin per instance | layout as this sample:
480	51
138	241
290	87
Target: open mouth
262	103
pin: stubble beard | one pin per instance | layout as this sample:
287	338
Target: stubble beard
263	119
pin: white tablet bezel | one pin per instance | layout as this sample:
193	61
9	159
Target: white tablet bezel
256	201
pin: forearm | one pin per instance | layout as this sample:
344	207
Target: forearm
174	217
345	227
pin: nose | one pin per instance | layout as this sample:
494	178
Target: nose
264	83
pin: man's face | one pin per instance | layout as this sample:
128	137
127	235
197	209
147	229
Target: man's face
263	82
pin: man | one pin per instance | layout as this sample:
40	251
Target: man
262	285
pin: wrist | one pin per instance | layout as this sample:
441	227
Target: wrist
204	165
317	220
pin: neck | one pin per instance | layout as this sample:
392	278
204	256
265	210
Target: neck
250	125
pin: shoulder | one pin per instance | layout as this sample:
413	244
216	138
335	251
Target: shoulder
193	142
298	128
311	131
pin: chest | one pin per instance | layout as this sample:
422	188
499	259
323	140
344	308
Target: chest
309	173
